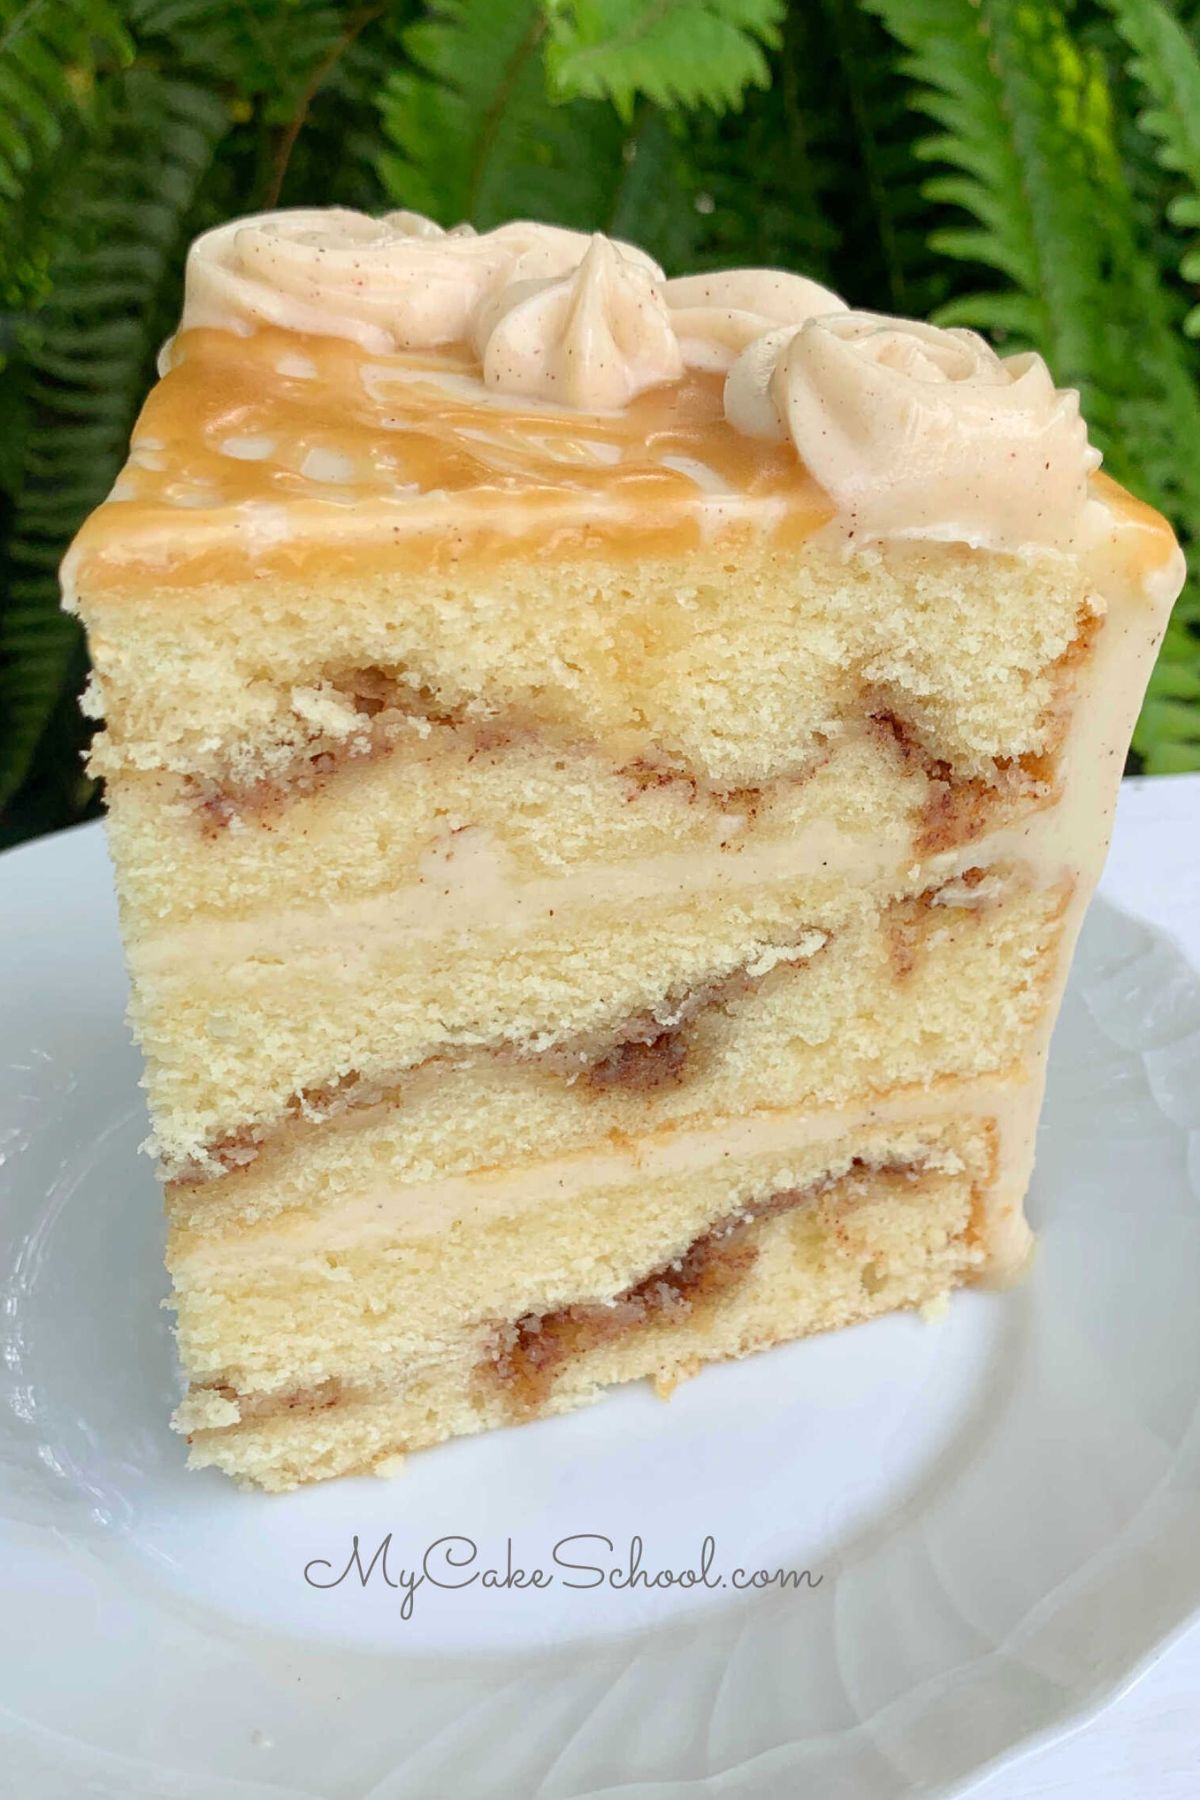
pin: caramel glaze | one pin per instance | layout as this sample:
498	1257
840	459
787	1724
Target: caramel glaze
300	454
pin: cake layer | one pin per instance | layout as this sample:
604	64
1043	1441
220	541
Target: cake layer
955	990
475	828
601	1017
728	664
309	1365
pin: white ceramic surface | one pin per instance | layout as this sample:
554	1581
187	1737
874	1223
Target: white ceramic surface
1003	1509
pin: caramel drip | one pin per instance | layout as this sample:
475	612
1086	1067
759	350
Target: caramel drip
251	448
308	458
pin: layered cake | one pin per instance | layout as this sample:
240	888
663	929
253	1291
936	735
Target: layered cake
604	774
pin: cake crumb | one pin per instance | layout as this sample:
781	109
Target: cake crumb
667	1380
207	1409
934	1309
388	1467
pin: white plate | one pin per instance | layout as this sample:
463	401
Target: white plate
999	1514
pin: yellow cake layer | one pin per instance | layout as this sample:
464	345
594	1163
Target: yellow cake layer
460	820
769	995
376	1355
728	662
958	991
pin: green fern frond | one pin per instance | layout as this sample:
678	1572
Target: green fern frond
1166	65
327	150
778	148
872	137
659	196
1168	731
259	47
1026	127
689	53
85	366
474	133
49	52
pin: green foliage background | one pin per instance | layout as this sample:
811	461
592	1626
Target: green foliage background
1027	167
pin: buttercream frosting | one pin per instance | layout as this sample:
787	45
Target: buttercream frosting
394	283
919	432
716	316
592	338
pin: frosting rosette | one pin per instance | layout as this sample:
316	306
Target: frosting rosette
399	282
531	252
591	339
915	431
717	316
394	282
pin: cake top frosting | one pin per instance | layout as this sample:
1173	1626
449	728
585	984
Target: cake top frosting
912	430
439	380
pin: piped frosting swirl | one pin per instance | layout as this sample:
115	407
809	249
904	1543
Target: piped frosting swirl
591	339
913	431
919	432
717	316
394	283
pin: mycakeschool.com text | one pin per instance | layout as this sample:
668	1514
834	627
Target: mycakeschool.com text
585	1561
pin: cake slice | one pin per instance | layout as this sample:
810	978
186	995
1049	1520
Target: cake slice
604	775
